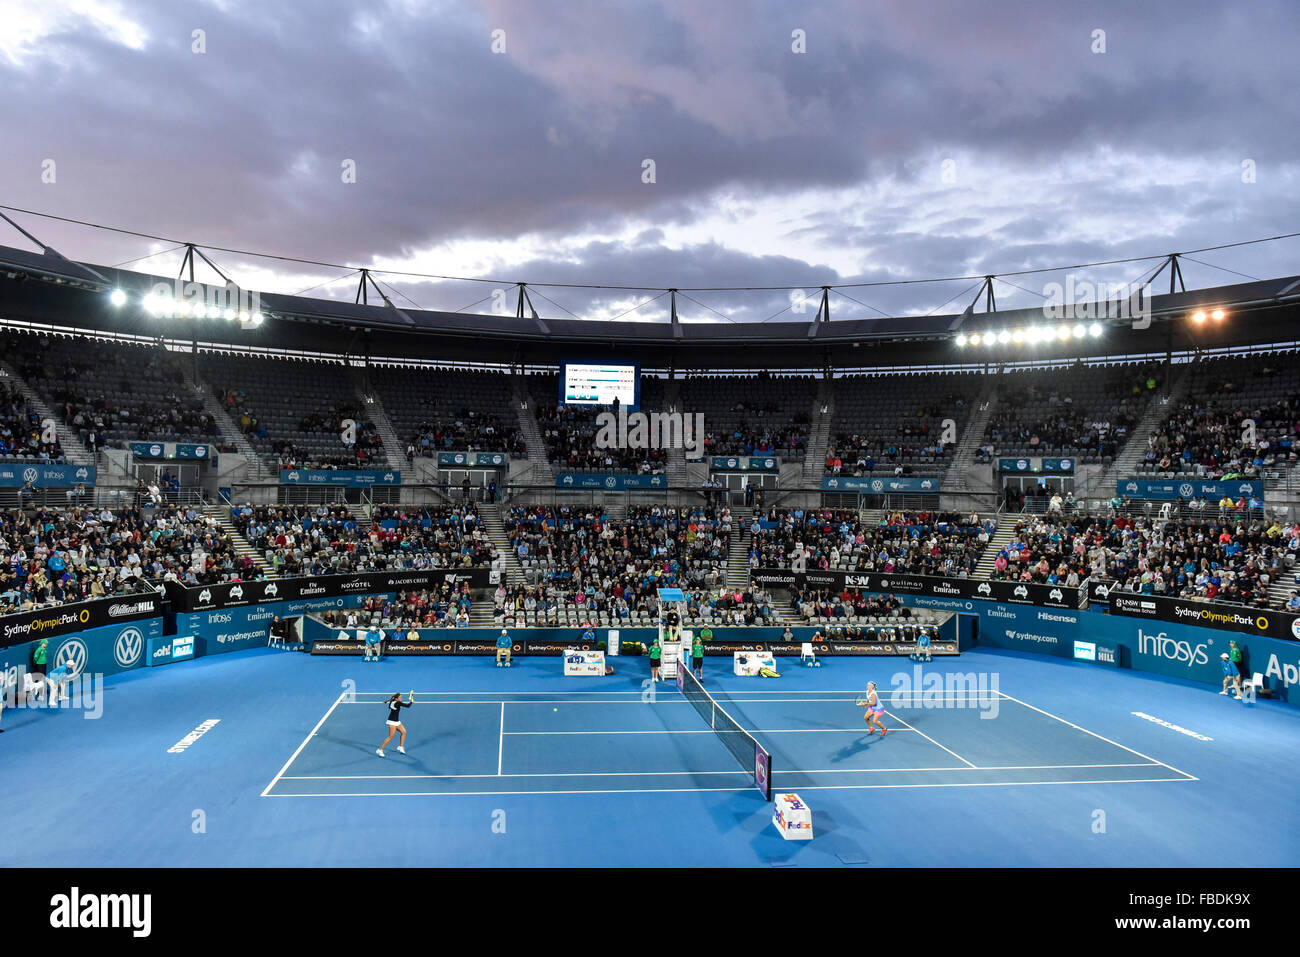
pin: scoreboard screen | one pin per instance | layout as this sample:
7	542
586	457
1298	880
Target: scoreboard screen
600	383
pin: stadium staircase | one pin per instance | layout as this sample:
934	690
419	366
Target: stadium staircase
74	450
1006	530
819	433
539	470
675	459
257	469
738	553
394	448
962	471
513	572
242	546
1135	449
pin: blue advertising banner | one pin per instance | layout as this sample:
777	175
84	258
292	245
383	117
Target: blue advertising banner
878	486
107	650
1056	465
169	450
348	478
740	463
14	474
234	629
163	651
473	459
612	482
1174	489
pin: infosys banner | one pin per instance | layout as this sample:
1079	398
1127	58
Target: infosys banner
108	650
234	629
68	619
1216	615
346	478
493	460
15	474
614	482
1172	490
1024	593
878	486
236	594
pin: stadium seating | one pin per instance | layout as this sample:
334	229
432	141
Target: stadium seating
450	410
752	414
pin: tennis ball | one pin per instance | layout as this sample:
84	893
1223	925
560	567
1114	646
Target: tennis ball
555	709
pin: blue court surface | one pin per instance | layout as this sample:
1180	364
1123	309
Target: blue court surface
1015	761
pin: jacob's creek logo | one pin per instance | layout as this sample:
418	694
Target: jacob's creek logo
1162	646
1213	616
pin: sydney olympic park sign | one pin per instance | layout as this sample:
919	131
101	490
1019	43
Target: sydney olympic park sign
1270	622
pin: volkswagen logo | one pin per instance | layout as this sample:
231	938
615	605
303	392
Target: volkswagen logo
129	645
72	653
1185	490
30	475
610	482
877	485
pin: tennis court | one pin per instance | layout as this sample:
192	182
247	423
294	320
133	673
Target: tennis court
574	742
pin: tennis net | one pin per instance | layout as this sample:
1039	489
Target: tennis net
751	755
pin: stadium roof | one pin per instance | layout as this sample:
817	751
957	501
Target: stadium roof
46	288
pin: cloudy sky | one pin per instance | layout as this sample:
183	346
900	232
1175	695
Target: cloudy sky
792	144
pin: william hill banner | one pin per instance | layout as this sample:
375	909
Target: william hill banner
237	594
1022	593
1266	622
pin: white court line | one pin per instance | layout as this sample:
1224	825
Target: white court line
1190	777
501	746
736	790
633	774
293	757
908	727
857	731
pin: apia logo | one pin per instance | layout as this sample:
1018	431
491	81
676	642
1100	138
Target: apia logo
236	592
388	476
293	476
1130	486
927	483
1162	646
271	590
1103	591
205	596
833	483
567	480
1020	591
127	648
1246	489
1055	595
985	588
83	473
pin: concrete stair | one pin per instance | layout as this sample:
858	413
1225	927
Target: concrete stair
513	572
1136	446
738	552
394	447
257	469
963	465
1005	532
74	450
540	471
819	433
242	546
